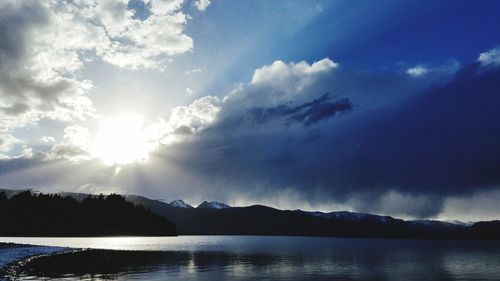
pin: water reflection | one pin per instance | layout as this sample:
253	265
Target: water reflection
269	258
157	265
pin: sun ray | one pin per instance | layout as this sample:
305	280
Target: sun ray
122	140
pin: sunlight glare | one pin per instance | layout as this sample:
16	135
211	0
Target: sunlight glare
122	140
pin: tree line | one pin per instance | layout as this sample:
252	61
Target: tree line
28	214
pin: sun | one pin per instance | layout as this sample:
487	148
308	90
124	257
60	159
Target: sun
122	140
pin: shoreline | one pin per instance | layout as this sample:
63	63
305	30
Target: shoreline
12	254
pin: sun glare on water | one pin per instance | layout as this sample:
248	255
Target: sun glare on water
122	140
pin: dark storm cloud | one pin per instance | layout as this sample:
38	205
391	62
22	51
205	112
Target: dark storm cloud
307	113
381	144
445	140
319	109
398	204
403	157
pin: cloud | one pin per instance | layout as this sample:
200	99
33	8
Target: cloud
277	84
201	5
298	74
75	146
7	141
384	143
404	156
190	91
45	45
446	69
35	80
69	152
475	207
193	71
278	132
398	204
110	30
491	57
308	113
417	71
48	139
186	124
191	119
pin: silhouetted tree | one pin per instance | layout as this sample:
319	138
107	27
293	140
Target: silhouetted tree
27	214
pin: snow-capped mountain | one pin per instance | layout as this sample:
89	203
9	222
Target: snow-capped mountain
213	205
180	204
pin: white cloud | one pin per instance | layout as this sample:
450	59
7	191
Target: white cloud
45	45
271	84
296	75
278	83
77	136
417	71
490	57
201	5
75	147
80	143
190	91
7	141
110	29
193	71
447	68
48	139
186	120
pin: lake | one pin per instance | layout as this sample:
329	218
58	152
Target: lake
267	258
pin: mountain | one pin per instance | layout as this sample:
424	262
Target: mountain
483	230
208	219
213	205
180	204
263	220
344	215
437	223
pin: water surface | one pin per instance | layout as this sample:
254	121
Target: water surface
267	258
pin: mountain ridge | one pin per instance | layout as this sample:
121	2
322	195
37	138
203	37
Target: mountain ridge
179	203
264	220
213	205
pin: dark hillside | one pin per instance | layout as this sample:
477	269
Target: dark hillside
27	214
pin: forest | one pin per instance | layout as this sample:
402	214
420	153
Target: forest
28	214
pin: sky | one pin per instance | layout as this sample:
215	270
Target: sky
387	107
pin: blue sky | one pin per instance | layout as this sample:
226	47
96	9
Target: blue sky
364	35
373	106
